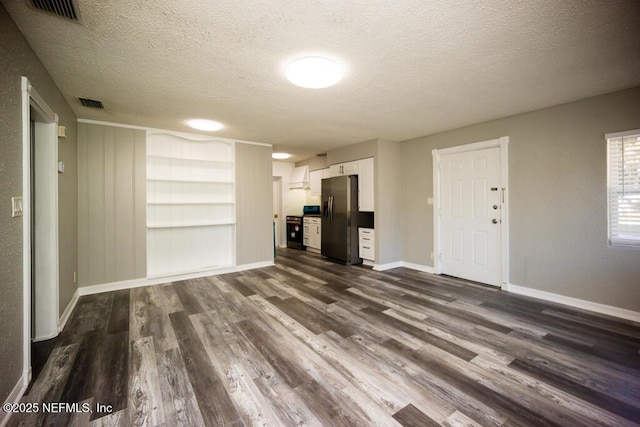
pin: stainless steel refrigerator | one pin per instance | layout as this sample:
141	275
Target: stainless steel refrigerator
340	219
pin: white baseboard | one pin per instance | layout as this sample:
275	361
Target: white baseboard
46	337
411	265
138	283
62	322
574	302
388	266
14	397
418	267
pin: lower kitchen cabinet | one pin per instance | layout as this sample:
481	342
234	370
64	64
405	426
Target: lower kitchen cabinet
366	243
312	237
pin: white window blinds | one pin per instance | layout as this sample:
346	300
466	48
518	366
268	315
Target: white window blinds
623	163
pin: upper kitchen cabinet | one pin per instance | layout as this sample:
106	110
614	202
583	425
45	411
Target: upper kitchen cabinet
348	168
365	185
315	181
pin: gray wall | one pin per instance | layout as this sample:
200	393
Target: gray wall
558	208
357	151
112	207
314	163
19	60
388	185
254	203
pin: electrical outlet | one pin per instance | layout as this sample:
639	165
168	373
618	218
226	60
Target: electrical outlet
16	207
431	255
75	277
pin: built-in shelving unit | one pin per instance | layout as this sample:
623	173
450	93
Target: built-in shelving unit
190	204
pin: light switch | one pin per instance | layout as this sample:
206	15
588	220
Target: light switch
16	206
60	166
430	201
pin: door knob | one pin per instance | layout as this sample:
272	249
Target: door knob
495	221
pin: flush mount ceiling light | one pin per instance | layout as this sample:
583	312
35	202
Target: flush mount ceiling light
206	125
280	156
314	72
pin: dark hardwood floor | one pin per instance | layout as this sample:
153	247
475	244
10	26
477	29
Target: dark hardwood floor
310	342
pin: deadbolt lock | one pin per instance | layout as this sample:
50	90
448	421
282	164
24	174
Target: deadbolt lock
495	206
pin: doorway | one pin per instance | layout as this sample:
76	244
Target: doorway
471	212
40	221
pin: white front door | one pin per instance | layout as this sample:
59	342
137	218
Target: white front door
470	215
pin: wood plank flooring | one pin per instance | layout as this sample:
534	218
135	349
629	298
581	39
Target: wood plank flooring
310	342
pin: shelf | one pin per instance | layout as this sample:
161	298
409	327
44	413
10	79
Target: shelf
187	203
176	225
196	181
189	160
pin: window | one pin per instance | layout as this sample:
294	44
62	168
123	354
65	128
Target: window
623	171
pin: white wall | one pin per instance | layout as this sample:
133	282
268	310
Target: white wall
292	200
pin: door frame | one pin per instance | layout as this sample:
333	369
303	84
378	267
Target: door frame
503	144
280	229
47	134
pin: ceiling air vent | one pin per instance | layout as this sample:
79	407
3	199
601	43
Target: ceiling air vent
91	103
63	8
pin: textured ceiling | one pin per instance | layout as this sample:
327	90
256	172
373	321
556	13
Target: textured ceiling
413	67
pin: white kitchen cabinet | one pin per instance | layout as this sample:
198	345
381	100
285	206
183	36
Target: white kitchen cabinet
366	243
365	185
348	168
315	182
312	237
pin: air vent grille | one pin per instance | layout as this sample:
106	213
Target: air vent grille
91	103
63	8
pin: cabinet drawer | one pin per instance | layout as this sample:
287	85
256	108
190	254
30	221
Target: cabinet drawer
367	252
311	221
366	232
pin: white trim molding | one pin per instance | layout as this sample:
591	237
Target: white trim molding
188	135
62	322
47	304
387	266
398	264
138	283
418	267
609	310
14	397
621	134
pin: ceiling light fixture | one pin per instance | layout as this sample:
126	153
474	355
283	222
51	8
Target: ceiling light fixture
280	156
206	125
314	72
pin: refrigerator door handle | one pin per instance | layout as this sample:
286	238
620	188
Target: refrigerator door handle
331	208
